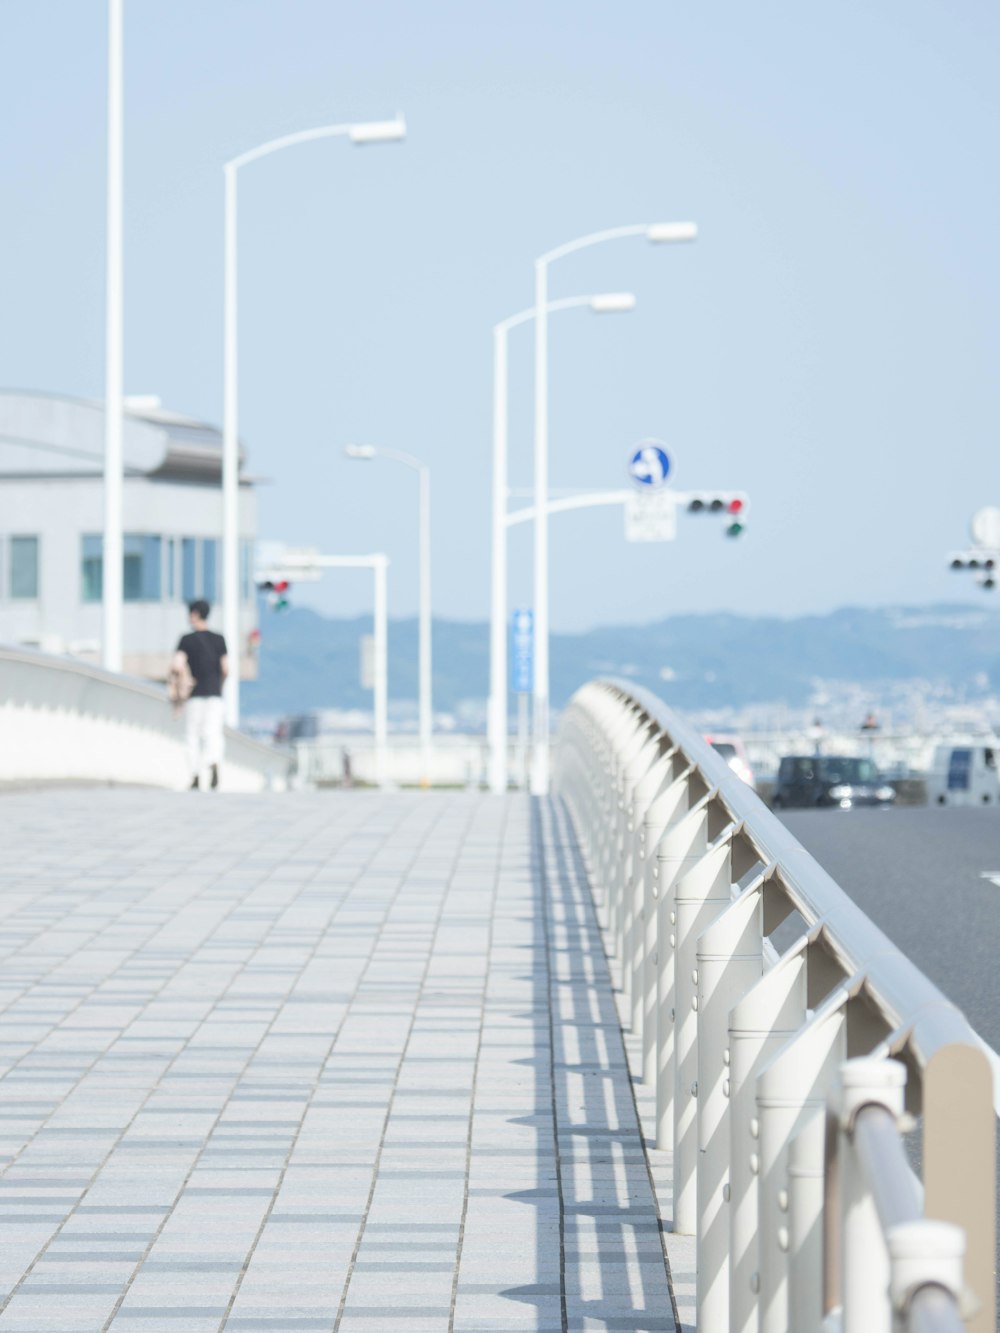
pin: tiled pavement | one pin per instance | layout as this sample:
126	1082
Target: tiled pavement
343	1062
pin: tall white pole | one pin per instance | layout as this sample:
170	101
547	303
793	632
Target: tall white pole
112	593
231	462
497	716
426	705
539	783
381	669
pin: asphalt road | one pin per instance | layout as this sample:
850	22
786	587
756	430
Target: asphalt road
917	872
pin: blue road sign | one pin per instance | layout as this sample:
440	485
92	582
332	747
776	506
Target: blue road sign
522	636
650	464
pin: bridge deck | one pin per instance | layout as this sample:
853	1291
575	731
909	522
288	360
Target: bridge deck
312	1062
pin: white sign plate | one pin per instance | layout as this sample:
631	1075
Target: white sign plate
651	517
986	527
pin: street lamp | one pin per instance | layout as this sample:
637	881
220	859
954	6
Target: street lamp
112	590
360	134
605	303
367	452
657	232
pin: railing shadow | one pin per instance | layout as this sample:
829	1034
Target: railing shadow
611	1268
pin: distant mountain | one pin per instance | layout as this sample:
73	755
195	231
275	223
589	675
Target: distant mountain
693	661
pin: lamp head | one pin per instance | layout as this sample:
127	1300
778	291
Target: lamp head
360	451
377	131
672	231
612	303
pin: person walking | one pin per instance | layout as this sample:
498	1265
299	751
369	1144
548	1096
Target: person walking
199	667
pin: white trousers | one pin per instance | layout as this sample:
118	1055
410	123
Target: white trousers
204	732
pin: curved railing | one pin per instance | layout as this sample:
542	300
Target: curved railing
768	1054
62	720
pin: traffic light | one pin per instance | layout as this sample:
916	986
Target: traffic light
277	593
982	563
733	504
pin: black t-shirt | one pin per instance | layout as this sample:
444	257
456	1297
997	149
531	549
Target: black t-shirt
204	650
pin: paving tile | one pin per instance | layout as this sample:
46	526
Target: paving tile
270	1062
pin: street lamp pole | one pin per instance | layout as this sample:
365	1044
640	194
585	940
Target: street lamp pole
656	232
112	575
424	670
359	133
496	721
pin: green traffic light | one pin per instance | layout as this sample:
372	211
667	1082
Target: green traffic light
734	529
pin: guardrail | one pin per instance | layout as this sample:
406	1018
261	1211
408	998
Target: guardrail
750	1049
62	720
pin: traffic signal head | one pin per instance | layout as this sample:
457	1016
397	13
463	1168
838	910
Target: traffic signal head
277	593
734	504
984	563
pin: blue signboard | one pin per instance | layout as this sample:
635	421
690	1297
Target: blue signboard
650	464
522	666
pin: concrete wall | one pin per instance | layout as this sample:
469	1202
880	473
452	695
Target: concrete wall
65	721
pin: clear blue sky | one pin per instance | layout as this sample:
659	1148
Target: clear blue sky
830	344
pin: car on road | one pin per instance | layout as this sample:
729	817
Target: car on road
731	749
840	781
964	773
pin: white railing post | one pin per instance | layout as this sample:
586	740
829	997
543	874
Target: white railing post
790	1088
763	1020
700	894
654	819
730	961
925	1254
682	846
651	771
805	1225
867	1307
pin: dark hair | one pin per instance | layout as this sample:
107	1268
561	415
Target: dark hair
200	608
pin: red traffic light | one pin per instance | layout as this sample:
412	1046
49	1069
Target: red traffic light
281	585
735	506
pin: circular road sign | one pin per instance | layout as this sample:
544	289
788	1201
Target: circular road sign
986	527
650	464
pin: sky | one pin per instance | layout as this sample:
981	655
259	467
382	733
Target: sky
828	345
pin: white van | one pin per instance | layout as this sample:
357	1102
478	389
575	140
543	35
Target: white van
965	773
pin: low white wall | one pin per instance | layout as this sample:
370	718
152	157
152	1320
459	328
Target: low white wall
64	720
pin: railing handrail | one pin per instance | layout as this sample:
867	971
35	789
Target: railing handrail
693	875
919	1011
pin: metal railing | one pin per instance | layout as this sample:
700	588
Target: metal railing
63	720
749	1047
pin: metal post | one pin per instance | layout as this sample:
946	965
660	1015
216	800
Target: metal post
380	565
112	574
426	704
497	719
231	461
522	741
540	719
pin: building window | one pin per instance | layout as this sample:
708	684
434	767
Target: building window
189	573
92	568
169	554
141	567
24	568
208	550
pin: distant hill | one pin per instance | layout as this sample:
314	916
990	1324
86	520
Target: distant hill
693	661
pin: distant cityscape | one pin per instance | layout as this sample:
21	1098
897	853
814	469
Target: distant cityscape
919	674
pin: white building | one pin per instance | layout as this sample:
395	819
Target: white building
52	520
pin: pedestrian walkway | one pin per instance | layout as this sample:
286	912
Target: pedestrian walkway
316	1061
